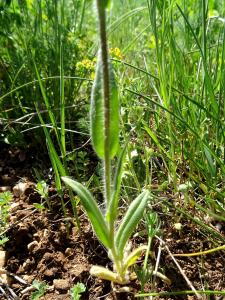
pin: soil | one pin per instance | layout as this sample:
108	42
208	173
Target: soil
48	247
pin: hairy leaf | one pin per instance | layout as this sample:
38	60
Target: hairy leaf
93	212
130	221
97	112
112	209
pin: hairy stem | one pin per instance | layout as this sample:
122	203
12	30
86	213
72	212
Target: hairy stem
106	96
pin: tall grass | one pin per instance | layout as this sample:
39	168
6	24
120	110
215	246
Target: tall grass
49	33
175	82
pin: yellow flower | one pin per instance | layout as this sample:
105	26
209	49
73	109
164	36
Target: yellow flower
86	64
116	53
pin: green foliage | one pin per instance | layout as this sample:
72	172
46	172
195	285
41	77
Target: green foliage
39	206
97	112
42	189
144	273
5	199
77	290
44	32
40	287
3	240
105	139
130	221
93	211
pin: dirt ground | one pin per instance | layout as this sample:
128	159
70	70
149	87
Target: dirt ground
48	247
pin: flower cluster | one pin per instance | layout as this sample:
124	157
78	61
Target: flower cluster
86	64
116	53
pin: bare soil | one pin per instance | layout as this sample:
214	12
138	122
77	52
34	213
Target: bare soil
48	247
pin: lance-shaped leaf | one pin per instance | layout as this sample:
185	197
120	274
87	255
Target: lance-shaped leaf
133	256
130	221
113	205
92	210
97	112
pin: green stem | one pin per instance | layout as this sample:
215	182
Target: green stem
167	294
201	252
106	96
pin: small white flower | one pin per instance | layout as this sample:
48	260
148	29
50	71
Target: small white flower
133	153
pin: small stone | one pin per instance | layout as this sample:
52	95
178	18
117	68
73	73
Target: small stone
22	156
14	207
2	258
4	278
3	275
178	226
61	284
20	188
28	278
50	272
78	269
69	252
32	245
6	188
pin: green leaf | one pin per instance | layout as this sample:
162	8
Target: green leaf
97	112
108	3
133	256
155	139
77	290
39	206
40	287
112	209
92	210
3	240
211	164
130	221
105	3
55	159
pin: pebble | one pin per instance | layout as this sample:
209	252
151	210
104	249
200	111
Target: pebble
20	188
6	188
61	284
3	275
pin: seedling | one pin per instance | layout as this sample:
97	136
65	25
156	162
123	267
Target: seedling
3	240
146	273
104	125
42	189
40	287
77	290
5	199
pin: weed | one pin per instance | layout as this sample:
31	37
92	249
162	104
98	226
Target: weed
42	189
40	287
5	199
104	119
3	240
77	290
